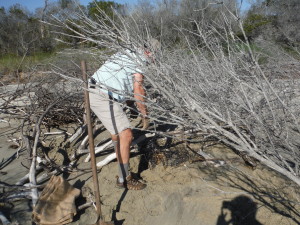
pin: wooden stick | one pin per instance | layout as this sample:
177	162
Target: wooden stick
91	146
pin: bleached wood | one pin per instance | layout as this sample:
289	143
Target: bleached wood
113	156
99	149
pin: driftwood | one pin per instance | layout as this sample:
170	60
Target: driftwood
18	187
77	134
84	142
32	171
208	158
57	133
46	176
38	168
107	160
113	156
85	205
99	149
18	196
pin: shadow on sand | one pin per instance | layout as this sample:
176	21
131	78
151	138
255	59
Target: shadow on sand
114	213
242	209
266	188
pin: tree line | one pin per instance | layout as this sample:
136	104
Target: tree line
275	20
25	33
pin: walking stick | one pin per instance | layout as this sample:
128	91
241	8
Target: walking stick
92	148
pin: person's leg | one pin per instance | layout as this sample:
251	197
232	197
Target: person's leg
116	122
122	144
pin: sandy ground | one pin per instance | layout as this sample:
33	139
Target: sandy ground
191	193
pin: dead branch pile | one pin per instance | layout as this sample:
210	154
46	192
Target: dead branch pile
213	81
69	110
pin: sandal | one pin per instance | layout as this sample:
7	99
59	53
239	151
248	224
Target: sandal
131	183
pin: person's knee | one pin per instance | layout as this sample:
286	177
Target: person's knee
126	134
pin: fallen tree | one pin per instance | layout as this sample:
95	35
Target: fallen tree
215	84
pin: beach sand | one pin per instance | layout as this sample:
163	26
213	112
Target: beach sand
190	193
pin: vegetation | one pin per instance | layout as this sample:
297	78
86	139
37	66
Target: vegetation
274	20
9	63
107	6
242	97
23	33
219	77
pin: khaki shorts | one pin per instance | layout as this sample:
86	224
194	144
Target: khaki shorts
108	111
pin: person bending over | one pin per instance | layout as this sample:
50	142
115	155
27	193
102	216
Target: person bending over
118	78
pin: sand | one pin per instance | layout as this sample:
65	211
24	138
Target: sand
191	193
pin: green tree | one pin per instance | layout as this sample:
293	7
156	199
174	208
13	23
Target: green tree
65	3
254	23
107	6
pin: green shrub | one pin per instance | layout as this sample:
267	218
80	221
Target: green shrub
11	63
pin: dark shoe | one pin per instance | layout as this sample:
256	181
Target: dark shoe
131	183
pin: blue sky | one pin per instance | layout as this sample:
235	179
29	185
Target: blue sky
31	5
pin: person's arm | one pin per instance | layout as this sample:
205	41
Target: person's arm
139	93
